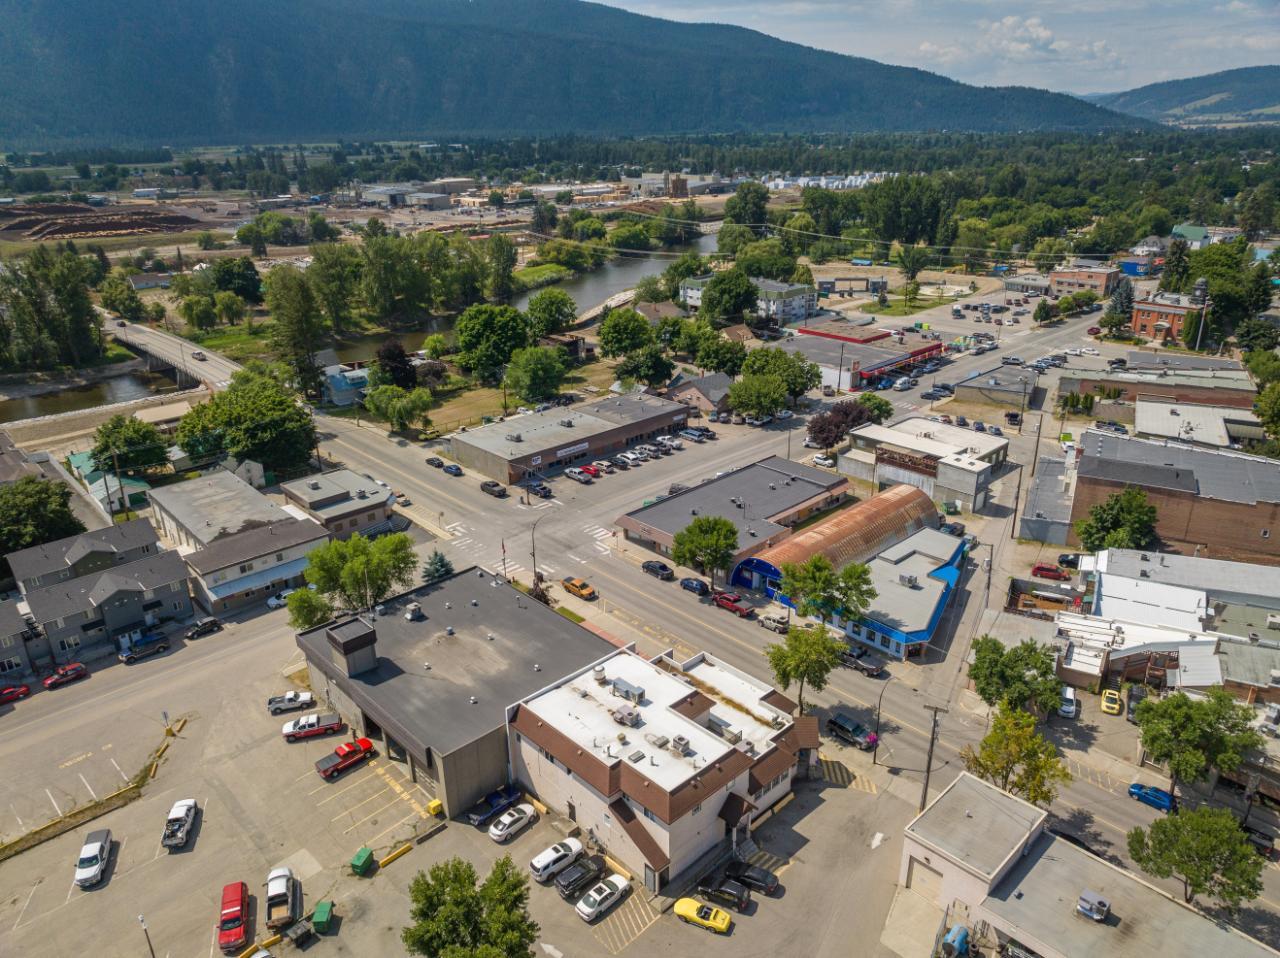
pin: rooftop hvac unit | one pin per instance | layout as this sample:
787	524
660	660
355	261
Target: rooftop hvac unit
1273	714
625	715
636	756
657	741
514	437
598	674
632	693
362	494
313	484
1273	621
910	581
567	423
1275	678
679	744
413	612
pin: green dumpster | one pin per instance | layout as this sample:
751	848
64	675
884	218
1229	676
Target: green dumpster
363	861
324	914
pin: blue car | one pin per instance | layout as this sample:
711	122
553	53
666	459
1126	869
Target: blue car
696	586
452	470
1150	795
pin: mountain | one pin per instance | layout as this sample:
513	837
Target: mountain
246	71
1245	96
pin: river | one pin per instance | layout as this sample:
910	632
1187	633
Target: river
74	398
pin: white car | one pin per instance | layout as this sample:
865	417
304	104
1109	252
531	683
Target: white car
280	599
94	855
1070	704
1073	351
822	459
671	442
633	458
602	896
1089	351
577	475
753	421
785	414
512	822
812	443
550	861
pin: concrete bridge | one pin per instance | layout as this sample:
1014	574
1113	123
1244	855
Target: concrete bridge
191	365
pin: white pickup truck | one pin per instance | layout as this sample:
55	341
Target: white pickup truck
177	827
290	701
283	900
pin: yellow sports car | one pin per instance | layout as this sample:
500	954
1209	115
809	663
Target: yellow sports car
1111	702
694	912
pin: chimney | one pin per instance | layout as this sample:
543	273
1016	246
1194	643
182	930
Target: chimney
353	645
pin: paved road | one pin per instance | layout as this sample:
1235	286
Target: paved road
214	370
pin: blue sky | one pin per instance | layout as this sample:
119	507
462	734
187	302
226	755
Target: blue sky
1078	46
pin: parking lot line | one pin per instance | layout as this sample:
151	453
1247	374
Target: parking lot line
350	785
404	821
358	804
123	776
16	815
69	891
55	804
24	905
88	786
374	813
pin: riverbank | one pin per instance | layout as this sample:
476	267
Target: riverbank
72	431
27	385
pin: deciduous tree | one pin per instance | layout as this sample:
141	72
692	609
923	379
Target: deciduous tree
798	375
649	365
34	511
455	915
758	395
394	364
536	372
805	657
1206	850
727	295
1194	736
1023	676
488	335
624	331
1126	520
358	573
128	443
708	542
1017	759
299	330
550	311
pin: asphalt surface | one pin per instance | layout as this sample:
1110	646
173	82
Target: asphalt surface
215	371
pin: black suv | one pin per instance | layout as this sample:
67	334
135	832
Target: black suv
1135	695
753	876
725	892
659	570
203	626
493	488
579	876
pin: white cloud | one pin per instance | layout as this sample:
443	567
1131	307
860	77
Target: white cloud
1021	40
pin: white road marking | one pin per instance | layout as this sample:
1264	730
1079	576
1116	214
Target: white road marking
25	903
877	839
551	950
55	804
88	786
17	816
69	891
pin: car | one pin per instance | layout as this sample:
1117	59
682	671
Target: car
1046	570
179	823
737	419
65	674
344	757
1263	842
812	443
632	458
732	601
706	433
822	459
551	861
580	875
1010	361
233	927
952	529
995	431
604	465
1013	419
1111	703
1133	698
312	725
203	626
491	487
1069	560
435	462
693	912
1073	351
453	469
95	853
290	701
621	462
512	822
198	354
696	586
753	421
1118	363
540	489
1089	351
121	323
659	570
1157	798
495	803
979	426
785	414
12	693
962	422
932	394
280	599
590	470
403	501
1094	330
727	892
945	419
1069	704
774	623
602	896
753	876
654	452
577	475
765	420
693	435
855	733
579	587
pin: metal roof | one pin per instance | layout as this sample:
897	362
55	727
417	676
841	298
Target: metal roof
1208	473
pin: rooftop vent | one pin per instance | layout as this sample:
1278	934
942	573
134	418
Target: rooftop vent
636	756
313	484
910	581
625	715
475	602
657	741
514	437
1274	680
361	494
567	423
474	700
598	674
537	667
679	745
448	630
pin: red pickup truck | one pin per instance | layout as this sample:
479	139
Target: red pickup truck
343	757
311	725
733	602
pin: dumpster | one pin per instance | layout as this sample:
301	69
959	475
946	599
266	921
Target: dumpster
323	916
363	861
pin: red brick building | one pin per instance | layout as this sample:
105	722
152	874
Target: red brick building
1073	279
1162	316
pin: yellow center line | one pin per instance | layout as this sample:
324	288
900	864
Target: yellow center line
405	476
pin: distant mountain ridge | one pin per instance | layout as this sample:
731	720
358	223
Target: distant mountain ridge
1246	95
237	71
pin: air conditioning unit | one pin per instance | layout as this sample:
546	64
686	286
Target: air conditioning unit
514	437
657	741
1273	621
413	612
1274	681
910	581
362	494
679	744
632	693
625	715
598	674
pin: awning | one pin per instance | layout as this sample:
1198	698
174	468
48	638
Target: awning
733	810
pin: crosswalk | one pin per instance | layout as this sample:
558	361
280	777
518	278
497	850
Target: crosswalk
472	547
626	922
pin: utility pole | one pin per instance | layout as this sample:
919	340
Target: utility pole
928	762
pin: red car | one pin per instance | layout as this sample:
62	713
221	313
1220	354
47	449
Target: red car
1094	330
233	926
590	470
343	757
733	602
1045	570
11	693
65	674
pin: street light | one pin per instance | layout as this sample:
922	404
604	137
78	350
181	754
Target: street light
142	921
875	751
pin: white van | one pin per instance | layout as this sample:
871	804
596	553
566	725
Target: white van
902	385
1070	706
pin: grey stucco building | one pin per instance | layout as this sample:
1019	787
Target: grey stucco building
431	675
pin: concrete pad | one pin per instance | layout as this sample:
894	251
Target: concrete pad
912	925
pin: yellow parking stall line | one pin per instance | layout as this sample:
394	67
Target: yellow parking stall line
376	812
355	783
358	804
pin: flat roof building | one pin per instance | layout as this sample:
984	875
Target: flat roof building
1209	386
1046	516
537	443
342	501
660	760
990	852
246	568
851	355
1211	502
1011	387
192	514
431	675
763	500
1203	425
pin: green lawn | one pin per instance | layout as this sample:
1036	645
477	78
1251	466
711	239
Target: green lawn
532	277
239	342
899	307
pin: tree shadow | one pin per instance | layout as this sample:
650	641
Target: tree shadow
1078	733
1079	829
1254	920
